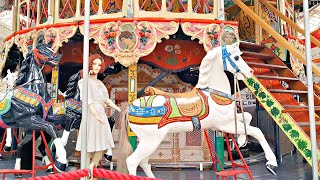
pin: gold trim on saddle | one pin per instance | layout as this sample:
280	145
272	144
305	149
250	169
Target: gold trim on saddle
144	120
27	99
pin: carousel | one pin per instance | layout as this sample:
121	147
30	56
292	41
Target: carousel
174	67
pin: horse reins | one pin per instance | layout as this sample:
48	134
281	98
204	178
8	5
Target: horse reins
237	89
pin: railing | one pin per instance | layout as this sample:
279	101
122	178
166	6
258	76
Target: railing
281	40
73	10
290	13
200	9
32	13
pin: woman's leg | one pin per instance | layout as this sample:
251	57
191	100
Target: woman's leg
89	154
97	157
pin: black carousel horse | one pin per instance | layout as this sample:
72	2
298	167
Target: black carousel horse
27	106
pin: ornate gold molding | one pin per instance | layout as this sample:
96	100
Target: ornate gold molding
59	35
4	49
25	41
126	42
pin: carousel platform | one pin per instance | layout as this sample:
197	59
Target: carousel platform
291	168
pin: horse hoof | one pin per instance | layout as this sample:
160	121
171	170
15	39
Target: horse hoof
60	167
17	176
272	169
107	157
50	171
6	148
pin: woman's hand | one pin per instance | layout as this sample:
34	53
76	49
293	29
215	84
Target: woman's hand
103	122
118	109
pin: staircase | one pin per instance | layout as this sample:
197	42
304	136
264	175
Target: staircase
273	84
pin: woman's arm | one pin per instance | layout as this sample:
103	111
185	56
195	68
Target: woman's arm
112	104
94	112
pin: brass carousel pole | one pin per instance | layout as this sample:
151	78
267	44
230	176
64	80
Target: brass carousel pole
85	85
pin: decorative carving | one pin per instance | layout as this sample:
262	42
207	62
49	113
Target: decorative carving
59	35
126	42
4	49
25	41
208	34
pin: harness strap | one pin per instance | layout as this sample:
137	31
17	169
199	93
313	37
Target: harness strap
219	93
226	56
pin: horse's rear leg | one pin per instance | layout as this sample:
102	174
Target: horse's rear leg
7	146
146	167
36	123
257	134
25	140
143	151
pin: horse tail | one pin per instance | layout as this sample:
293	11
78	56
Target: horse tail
125	148
72	87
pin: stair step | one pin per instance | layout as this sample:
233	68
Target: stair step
267	66
287	91
277	78
296	108
247	46
307	124
257	55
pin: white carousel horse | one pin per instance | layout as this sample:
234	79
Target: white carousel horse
151	118
7	84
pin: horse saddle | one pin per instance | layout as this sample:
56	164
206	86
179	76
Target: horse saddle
188	104
155	91
5	103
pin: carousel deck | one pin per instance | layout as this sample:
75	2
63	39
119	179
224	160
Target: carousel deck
291	168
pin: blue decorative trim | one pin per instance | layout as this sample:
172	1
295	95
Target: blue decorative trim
74	105
196	123
226	56
147	111
219	93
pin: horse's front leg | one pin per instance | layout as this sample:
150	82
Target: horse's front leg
7	146
257	134
20	146
242	139
43	152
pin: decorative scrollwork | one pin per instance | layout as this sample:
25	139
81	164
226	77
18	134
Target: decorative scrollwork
208	34
25	41
126	42
4	49
59	35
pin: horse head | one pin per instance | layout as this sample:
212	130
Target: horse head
233	62
44	54
10	79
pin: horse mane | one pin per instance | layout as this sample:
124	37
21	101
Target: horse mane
205	68
72	87
24	69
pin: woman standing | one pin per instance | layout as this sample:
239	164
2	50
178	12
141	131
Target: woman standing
99	137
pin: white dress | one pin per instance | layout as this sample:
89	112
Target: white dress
99	137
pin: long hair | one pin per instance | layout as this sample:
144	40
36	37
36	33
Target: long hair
96	56
124	145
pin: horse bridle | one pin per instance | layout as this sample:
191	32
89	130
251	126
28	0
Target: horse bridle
226	57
